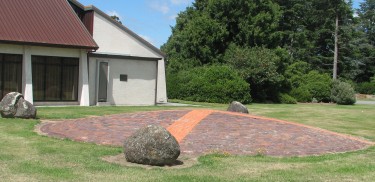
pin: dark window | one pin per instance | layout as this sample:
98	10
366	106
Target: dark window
55	78
10	73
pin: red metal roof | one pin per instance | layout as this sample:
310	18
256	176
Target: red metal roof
43	22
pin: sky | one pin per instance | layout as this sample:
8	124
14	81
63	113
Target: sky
150	19
356	3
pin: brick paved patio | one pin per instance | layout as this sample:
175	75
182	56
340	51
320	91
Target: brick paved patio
205	131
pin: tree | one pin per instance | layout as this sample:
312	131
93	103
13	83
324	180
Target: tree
116	18
271	33
204	31
335	56
296	33
367	17
342	10
308	30
259	67
365	42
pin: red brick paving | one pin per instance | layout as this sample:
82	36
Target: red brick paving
109	130
215	131
183	126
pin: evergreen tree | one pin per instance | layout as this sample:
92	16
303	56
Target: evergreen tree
308	28
365	42
367	17
214	31
204	31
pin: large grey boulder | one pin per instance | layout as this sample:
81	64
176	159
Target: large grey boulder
152	145
237	107
8	104
25	109
13	105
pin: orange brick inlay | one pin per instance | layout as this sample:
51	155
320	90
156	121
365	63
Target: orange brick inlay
183	126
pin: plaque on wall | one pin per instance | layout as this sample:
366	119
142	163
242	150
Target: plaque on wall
124	78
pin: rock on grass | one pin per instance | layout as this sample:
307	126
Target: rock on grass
152	145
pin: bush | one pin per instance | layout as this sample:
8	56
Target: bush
343	93
216	84
287	99
319	85
366	88
313	85
259	66
295	72
301	94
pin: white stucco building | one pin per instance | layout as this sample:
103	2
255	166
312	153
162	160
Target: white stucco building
59	52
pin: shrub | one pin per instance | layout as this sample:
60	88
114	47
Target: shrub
259	66
312	85
319	85
217	84
366	88
301	94
343	93
287	99
295	72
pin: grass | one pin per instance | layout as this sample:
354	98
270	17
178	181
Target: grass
26	156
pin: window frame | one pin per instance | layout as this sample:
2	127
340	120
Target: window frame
62	64
2	71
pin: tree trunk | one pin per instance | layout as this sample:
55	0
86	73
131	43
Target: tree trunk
336	49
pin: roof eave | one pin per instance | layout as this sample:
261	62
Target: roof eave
49	45
75	2
119	56
96	47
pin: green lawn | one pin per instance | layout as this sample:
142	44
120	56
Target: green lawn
26	156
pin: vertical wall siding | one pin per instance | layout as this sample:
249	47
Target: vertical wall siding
88	21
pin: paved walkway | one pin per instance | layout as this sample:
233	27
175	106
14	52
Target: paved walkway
206	131
365	102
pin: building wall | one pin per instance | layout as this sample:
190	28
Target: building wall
28	51
38	50
11	49
93	76
140	89
114	40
